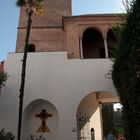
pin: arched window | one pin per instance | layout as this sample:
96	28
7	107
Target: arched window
111	41
31	48
92	134
93	44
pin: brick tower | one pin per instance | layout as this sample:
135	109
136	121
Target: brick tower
46	33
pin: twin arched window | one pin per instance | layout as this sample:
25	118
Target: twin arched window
93	45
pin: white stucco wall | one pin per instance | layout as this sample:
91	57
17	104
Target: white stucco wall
62	82
32	123
90	106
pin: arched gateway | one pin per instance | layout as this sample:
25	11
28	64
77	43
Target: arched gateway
90	115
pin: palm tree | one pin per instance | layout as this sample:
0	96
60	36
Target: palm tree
33	6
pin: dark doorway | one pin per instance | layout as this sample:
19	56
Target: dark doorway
107	117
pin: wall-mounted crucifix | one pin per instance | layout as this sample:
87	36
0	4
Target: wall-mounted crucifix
43	115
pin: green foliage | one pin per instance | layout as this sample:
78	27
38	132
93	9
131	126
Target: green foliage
126	72
117	30
3	78
24	2
34	6
21	2
34	137
118	122
6	135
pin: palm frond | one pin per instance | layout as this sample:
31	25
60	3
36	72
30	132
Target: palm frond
3	78
32	5
39	7
20	3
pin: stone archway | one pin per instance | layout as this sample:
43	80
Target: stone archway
32	120
89	114
93	44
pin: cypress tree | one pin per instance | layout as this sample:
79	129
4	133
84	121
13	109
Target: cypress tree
126	72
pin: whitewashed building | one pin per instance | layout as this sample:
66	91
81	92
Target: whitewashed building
66	76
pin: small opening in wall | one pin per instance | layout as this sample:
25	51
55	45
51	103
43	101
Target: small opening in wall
31	48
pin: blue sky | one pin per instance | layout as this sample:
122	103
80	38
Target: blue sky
9	15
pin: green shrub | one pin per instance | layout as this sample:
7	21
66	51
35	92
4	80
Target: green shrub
34	137
3	78
126	72
6	135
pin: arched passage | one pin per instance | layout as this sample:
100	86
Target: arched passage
89	114
33	122
111	41
93	44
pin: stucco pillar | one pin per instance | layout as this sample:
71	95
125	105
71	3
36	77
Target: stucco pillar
105	42
106	48
101	120
81	48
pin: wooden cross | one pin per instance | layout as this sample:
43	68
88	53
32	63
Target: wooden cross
43	115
